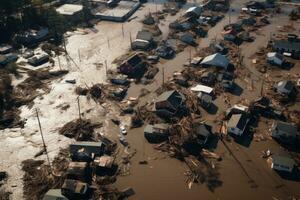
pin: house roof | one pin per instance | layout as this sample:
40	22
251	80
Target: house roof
105	161
69	9
174	97
195	10
154	128
238	120
202	88
275	54
54	194
284	86
205	97
285	127
289	45
144	35
217	60
282	160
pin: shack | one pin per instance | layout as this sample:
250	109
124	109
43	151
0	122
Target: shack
282	163
169	103
237	124
216	60
79	171
284	132
156	133
54	194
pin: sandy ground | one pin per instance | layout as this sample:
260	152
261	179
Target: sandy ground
94	49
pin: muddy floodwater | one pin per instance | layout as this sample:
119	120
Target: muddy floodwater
244	175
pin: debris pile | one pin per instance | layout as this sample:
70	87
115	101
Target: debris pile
80	129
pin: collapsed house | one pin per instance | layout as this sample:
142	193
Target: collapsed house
38	59
79	171
7	58
86	151
284	132
5	49
169	104
282	163
74	189
103	164
156	133
194	12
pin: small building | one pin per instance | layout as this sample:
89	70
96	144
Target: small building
165	51
4	49
133	66
288	47
79	171
276	59
169	103
284	132
74	189
188	39
285	87
282	163
31	37
216	60
205	100
143	41
72	12
38	59
7	58
104	164
156	133
194	11
54	194
237	124
95	148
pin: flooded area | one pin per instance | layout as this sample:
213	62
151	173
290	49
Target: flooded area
241	174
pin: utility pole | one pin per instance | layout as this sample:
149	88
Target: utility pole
190	55
108	42
79	113
44	144
130	39
123	30
79	55
163	75
59	64
106	68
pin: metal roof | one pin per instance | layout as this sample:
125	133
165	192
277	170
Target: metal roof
217	60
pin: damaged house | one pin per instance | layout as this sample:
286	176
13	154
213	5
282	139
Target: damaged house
215	60
285	87
134	66
282	163
169	104
290	47
79	171
143	41
86	150
74	189
237	124
31	37
276	59
284	132
156	133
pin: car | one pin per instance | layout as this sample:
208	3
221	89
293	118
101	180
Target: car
123	130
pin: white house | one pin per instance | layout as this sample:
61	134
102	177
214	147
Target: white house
237	124
282	163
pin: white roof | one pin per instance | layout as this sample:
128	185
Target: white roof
217	60
69	9
194	9
202	88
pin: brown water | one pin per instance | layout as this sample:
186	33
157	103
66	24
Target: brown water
163	177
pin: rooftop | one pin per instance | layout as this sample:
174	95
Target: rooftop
69	9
